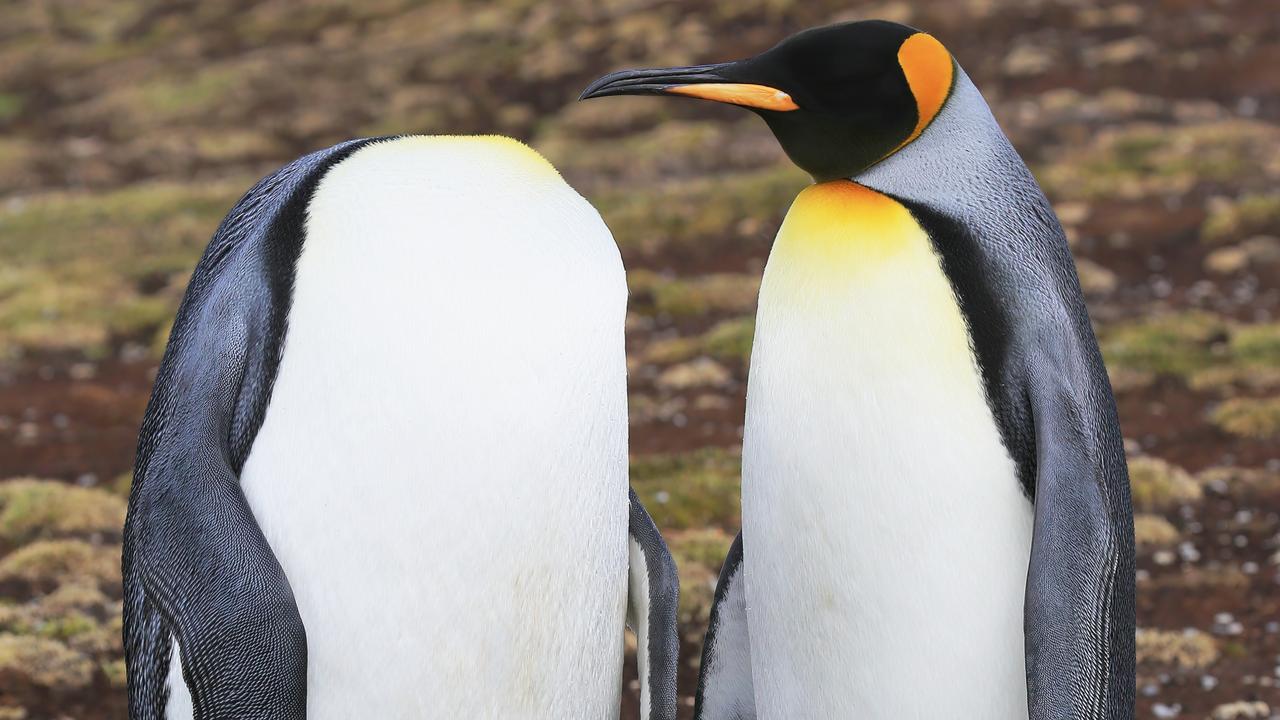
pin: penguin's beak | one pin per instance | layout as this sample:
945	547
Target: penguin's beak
707	82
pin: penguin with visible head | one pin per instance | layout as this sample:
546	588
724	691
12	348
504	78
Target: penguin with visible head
383	472
936	518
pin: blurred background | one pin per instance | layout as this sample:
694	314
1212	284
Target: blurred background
128	128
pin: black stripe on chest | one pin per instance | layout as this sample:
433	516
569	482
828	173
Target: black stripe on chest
990	325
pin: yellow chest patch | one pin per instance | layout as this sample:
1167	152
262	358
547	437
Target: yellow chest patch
841	218
856	261
847	229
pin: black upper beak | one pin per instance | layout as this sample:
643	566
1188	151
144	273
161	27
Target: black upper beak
653	81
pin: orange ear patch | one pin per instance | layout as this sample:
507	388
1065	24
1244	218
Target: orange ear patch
930	72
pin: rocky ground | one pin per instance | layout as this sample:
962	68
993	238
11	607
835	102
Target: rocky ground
129	127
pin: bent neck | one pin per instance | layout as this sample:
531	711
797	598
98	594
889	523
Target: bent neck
962	165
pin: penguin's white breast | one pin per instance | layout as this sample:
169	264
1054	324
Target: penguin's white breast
442	467
886	538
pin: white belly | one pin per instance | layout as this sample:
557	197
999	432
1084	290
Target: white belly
442	467
886	539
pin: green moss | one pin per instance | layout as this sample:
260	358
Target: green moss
1257	344
702	372
1226	378
687	213
16	620
1141	160
1213	356
668	351
1153	531
236	145
706	547
1137	151
77	264
60	228
46	564
35	509
690	490
698	555
68	626
71	598
1157	484
123	482
719	292
731	339
115	672
1096	280
728	341
172	98
1184	649
671	148
1253	418
1240	482
43	663
1175	344
1235	650
1237	220
15	158
10	106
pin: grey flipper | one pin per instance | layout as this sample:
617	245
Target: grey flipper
196	565
725	691
652	600
1080	608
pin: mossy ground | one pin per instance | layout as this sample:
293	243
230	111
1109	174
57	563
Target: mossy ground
127	130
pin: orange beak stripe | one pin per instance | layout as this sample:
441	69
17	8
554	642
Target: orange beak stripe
756	96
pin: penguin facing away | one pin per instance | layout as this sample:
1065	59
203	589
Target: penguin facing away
936	518
383	472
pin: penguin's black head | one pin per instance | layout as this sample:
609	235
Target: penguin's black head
839	98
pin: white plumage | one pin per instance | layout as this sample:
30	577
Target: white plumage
886	539
442	469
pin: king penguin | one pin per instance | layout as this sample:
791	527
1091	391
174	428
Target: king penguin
936	520
383	471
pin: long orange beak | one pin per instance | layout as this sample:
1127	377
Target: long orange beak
700	81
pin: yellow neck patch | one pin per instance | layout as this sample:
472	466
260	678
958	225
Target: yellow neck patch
840	220
851	269
856	265
930	72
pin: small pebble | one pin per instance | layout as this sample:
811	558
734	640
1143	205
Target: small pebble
1188	552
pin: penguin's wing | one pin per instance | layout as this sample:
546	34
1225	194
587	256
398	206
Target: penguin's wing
654	591
197	568
724	683
1079	608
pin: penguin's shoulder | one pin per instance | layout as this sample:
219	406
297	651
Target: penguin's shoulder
494	163
240	287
